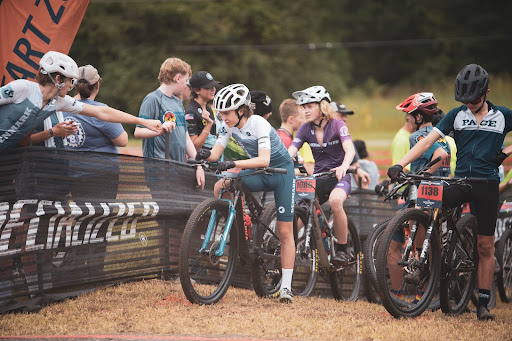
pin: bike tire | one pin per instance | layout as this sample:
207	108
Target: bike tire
204	277
346	281
504	277
369	271
459	268
389	253
305	273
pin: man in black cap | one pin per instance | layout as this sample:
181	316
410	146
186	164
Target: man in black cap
342	114
199	115
341	111
262	104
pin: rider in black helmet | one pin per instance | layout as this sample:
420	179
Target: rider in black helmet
471	84
479	129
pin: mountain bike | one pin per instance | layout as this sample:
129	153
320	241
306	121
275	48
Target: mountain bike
504	276
316	243
217	236
407	279
405	199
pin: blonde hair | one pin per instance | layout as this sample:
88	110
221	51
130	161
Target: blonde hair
171	67
287	108
327	110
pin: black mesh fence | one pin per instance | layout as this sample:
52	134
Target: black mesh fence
73	221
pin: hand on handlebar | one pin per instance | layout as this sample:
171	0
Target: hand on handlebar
395	171
225	165
340	171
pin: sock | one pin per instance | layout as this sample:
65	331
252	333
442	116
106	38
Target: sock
341	247
286	281
398	293
483	297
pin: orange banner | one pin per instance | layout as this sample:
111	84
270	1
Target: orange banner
30	28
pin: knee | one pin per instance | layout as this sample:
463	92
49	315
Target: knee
336	203
485	248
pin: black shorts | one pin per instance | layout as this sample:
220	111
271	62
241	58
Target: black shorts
483	199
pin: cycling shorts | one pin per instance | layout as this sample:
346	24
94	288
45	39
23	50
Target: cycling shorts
483	200
283	186
324	187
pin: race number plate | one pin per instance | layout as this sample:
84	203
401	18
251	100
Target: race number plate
305	187
430	194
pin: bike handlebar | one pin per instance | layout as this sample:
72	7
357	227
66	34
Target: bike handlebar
209	166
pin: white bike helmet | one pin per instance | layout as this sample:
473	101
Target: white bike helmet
231	97
53	61
314	94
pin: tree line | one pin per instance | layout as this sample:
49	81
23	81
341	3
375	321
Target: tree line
282	46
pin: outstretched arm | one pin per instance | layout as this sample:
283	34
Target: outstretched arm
420	148
109	114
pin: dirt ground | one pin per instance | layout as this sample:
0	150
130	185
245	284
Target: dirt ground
159	309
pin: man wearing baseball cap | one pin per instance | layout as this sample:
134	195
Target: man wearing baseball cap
341	111
261	103
342	114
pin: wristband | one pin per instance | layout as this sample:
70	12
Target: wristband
204	131
51	132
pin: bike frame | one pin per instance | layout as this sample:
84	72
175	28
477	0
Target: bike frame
239	195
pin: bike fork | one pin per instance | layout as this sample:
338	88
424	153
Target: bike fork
225	233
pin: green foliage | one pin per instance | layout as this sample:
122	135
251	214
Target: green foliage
361	48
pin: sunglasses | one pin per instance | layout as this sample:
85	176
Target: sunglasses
476	101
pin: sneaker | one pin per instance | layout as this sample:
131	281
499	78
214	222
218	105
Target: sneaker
340	258
415	277
285	296
482	313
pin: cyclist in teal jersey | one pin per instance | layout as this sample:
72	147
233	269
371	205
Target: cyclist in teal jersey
479	131
24	104
264	148
422	107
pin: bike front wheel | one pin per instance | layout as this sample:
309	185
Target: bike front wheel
346	281
370	255
459	267
407	286
205	277
504	255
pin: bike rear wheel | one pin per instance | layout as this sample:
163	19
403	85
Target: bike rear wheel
459	267
346	281
405	295
266	270
504	255
205	277
305	273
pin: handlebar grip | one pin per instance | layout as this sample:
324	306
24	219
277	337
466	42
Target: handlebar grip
277	170
433	162
477	179
194	161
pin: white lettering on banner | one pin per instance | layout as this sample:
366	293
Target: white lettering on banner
69	219
16	126
78	224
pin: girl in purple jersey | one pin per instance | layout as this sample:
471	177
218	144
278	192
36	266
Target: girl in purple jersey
333	150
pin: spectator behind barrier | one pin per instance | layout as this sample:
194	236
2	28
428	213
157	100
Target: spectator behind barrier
368	166
95	135
200	117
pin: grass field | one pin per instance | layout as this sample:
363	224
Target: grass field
156	307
